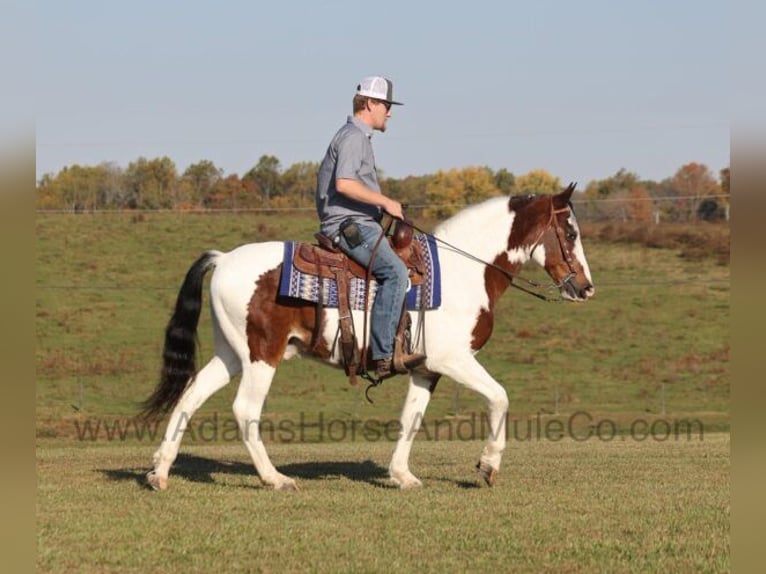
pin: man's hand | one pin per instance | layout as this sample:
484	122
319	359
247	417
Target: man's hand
394	208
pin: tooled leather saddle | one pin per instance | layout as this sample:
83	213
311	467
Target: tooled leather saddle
325	260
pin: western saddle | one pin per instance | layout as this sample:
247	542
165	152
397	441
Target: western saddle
325	260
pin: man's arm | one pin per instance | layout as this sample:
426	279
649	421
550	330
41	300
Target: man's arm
356	190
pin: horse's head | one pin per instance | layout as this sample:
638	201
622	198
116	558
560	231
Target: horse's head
554	239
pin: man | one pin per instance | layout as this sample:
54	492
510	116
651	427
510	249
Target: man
349	203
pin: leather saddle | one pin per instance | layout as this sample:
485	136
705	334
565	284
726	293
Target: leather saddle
325	260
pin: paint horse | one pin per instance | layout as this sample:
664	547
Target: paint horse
254	329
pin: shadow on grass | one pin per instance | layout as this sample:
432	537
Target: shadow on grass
464	484
365	471
201	469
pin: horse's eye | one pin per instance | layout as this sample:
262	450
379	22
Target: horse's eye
571	236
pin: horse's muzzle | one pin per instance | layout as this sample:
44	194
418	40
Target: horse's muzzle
571	291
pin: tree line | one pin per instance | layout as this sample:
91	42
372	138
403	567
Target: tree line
692	193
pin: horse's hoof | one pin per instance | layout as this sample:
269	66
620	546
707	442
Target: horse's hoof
287	486
410	484
156	482
407	481
488	473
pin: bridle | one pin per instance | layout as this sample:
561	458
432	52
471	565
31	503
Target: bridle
560	236
552	222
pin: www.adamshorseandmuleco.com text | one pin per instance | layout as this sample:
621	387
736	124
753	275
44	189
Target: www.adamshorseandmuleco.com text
318	427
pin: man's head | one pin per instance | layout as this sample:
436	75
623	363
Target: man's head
373	101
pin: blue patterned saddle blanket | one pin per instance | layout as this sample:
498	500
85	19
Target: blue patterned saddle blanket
298	285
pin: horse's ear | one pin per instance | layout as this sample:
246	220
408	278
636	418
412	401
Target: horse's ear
562	198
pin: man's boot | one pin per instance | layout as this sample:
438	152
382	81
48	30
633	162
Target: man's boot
404	358
399	366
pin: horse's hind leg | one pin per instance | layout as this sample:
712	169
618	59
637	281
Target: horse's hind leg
255	384
418	396
215	375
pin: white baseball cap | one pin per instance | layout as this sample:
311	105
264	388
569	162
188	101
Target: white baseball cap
378	88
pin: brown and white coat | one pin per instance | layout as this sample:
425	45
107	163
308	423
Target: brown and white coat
254	330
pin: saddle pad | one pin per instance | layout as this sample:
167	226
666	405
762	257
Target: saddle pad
298	285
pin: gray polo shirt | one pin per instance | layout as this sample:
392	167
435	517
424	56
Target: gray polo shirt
349	156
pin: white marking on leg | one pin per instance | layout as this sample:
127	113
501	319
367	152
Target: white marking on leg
215	375
467	371
255	384
418	396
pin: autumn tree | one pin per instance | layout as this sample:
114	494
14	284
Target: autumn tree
46	197
201	178
505	181
614	196
537	181
152	183
639	205
622	181
67	190
411	190
448	191
693	182
229	192
113	192
265	174
692	192
299	182
81	188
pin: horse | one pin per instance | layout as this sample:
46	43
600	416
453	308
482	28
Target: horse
481	250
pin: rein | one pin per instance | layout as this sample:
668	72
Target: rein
552	222
385	227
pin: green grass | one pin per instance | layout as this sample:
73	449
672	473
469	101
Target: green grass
656	335
657	332
565	507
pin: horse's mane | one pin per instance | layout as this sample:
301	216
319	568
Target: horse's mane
471	214
514	203
468	223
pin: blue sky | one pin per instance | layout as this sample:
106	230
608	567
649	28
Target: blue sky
580	89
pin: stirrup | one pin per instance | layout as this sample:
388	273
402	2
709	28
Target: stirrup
406	363
374	382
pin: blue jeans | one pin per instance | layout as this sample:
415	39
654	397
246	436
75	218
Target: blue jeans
392	276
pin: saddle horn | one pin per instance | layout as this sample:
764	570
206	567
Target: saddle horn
402	235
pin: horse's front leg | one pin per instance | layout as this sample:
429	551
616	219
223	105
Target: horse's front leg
466	370
418	396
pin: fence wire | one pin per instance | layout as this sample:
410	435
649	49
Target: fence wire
580	205
413	206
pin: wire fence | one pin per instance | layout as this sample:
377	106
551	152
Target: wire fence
590	210
667	208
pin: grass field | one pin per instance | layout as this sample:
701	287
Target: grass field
656	334
652	347
559	507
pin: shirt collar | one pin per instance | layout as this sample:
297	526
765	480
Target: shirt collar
366	128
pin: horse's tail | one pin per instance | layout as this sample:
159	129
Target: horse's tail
179	353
